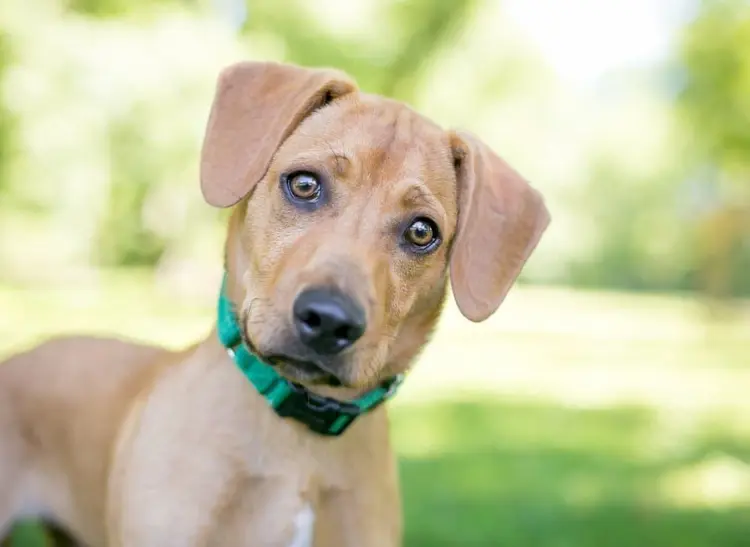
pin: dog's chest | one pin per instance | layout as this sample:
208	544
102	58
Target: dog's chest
303	492
303	527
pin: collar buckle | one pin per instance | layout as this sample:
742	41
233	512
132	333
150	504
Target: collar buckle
323	415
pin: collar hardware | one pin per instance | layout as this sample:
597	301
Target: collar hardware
322	415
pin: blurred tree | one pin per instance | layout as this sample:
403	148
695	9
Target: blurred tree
116	8
416	31
122	237
720	263
715	101
637	243
715	108
424	26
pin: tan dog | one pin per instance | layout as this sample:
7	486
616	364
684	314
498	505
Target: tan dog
351	212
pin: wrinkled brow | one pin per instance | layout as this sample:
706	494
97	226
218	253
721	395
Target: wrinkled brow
337	161
418	196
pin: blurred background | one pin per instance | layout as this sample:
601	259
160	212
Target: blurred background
606	403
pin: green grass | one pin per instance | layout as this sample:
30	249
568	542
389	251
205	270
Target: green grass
569	419
536	474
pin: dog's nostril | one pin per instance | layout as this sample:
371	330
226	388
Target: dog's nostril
345	332
311	319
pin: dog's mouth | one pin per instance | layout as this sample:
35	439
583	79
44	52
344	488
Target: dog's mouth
301	370
295	369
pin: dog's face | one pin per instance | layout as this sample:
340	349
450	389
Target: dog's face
348	222
346	239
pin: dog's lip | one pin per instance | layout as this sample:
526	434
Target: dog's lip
277	359
311	369
313	372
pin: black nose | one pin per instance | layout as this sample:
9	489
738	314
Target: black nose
327	320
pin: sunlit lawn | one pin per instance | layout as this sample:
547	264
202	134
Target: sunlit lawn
570	419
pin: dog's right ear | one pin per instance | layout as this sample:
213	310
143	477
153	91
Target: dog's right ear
256	107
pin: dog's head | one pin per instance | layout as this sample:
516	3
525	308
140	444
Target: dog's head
352	211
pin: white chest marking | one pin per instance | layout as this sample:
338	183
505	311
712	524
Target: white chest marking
304	527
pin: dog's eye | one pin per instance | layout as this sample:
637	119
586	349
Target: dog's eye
303	186
422	235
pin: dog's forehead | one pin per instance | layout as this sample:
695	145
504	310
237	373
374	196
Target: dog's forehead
386	139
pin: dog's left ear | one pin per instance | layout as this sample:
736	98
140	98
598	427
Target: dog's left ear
500	221
256	107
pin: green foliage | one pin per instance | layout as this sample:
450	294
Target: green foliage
115	8
124	238
714	106
415	31
640	242
107	155
716	98
424	27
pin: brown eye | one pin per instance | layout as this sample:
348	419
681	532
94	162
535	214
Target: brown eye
303	186
422	234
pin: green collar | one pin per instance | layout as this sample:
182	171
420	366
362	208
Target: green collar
323	415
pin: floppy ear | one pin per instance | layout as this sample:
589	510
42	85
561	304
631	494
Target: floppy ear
500	221
256	107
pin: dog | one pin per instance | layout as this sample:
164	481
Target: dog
352	215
